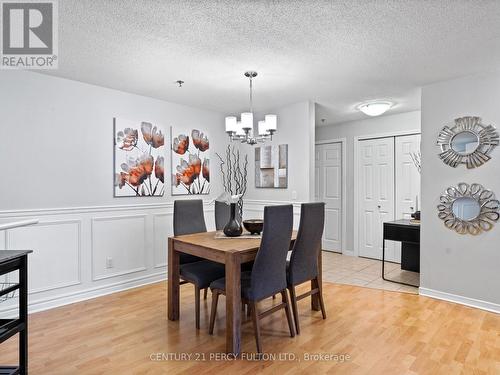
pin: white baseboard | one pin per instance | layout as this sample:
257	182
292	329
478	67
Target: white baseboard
83	295
479	304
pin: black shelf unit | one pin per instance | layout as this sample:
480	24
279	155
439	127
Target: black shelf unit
10	261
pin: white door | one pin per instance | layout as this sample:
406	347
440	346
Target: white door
407	176
376	195
407	181
329	190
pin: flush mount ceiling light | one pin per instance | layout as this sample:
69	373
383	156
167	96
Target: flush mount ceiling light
375	108
243	130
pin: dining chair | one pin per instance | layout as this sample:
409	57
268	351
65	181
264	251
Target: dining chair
303	264
268	274
189	219
222	215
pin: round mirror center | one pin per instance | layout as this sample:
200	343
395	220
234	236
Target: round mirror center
465	143
466	208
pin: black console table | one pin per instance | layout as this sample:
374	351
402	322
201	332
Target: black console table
16	261
408	234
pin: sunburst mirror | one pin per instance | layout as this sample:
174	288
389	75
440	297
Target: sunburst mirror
468	142
468	208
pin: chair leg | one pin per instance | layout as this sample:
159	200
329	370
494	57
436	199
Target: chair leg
197	305
284	299
320	297
205	292
256	325
213	312
249	311
293	301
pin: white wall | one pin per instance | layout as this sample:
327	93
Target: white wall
371	126
58	135
57	158
461	268
295	128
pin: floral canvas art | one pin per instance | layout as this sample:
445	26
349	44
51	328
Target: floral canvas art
190	162
139	159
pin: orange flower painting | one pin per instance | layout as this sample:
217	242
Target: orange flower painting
139	157
190	162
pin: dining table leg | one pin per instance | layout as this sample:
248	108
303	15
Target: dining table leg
173	281
315	305
233	303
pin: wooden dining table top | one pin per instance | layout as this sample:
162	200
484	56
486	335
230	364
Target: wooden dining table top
216	249
207	240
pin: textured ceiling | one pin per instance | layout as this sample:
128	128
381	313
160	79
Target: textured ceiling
336	53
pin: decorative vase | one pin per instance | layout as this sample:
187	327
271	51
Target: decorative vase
233	227
415	215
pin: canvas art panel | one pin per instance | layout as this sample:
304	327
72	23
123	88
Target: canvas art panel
139	158
190	161
271	166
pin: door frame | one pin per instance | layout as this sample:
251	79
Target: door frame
343	143
357	139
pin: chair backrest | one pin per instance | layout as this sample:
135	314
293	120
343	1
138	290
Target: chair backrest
269	268
188	219
304	259
223	214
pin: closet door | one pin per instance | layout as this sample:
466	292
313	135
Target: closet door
407	176
329	190
376	195
407	181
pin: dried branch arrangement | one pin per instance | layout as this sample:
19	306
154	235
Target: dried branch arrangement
234	174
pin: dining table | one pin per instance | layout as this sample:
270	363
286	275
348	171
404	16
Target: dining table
231	252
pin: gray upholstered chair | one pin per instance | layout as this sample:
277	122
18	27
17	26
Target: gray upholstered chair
268	275
188	219
222	215
303	265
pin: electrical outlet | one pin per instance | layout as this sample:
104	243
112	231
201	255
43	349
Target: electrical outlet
109	262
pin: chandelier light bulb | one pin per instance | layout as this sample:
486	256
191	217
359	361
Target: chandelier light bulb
231	124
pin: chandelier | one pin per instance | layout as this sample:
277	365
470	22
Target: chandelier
243	130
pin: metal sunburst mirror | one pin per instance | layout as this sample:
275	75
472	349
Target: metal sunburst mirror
468	142
468	208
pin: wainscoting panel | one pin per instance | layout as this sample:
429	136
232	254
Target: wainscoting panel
118	246
162	229
56	260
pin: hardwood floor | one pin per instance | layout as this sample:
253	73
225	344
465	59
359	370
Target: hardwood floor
382	332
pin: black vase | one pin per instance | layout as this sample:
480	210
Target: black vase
233	228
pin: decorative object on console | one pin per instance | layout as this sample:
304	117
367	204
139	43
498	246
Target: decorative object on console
234	174
139	159
468	208
190	162
271	166
468	142
243	130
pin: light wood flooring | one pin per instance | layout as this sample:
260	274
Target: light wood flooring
376	332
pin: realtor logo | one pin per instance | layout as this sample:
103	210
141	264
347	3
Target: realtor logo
29	34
